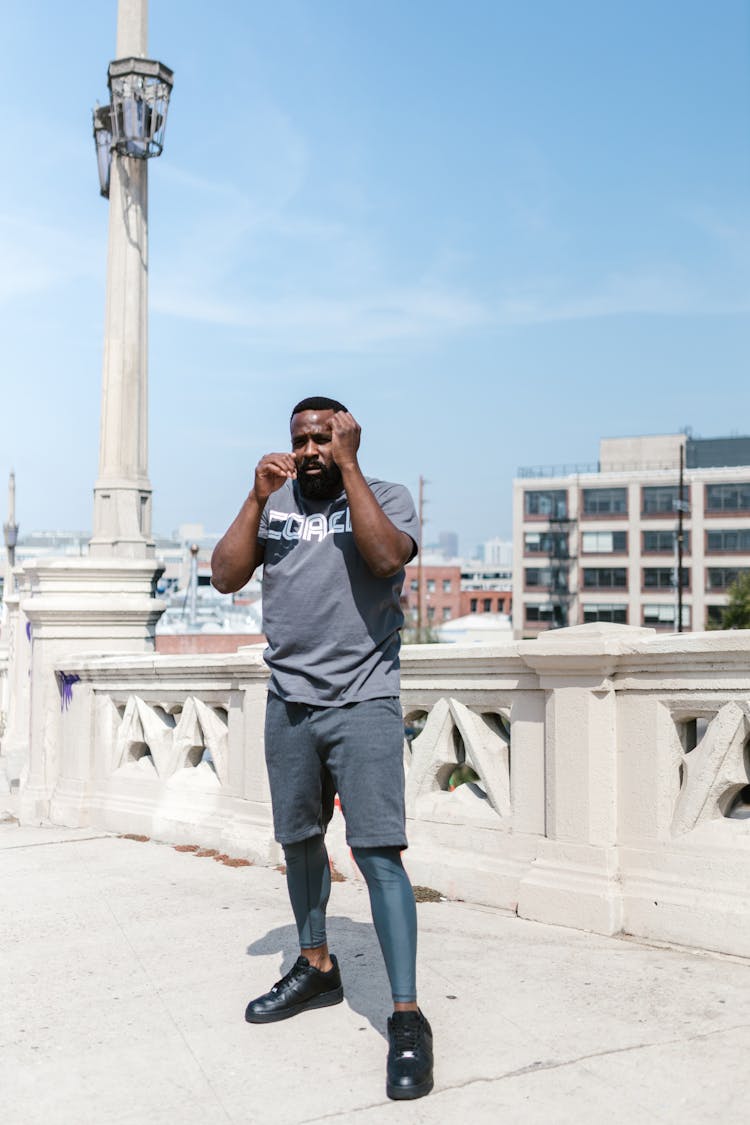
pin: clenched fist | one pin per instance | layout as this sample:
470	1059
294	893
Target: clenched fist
345	435
271	472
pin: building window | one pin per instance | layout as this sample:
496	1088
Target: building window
605	501
663	542
430	613
728	497
659	499
662	577
604	612
663	615
714	614
738	540
545	578
551	543
604	542
605	577
447	613
487	605
430	585
536	614
446	585
719	577
473	605
500	605
414	585
551	503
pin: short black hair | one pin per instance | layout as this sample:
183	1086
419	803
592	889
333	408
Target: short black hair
318	402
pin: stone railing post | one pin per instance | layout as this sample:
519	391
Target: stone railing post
575	878
98	605
14	746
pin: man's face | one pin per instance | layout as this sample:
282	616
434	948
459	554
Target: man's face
317	472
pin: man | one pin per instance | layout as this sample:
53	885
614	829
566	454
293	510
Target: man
333	545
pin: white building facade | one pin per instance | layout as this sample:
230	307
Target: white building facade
598	543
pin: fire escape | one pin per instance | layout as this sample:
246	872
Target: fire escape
560	556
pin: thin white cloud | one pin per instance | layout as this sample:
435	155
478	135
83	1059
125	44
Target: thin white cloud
357	321
649	293
332	324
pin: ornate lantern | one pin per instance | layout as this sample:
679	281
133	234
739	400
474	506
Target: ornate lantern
133	123
103	141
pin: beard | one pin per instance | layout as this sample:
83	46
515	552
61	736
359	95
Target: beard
325	485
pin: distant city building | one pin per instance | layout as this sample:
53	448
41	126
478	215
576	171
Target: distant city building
485	589
441	592
486	628
598	542
51	544
455	589
448	544
498	553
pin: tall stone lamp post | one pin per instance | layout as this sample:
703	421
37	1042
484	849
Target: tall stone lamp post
128	132
105	602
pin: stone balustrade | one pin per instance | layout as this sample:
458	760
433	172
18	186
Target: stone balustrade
597	777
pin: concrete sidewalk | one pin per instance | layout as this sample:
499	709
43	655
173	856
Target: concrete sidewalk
126	967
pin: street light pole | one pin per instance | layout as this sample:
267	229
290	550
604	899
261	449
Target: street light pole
680	538
420	593
10	529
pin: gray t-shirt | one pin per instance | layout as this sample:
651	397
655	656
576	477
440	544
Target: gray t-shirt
332	626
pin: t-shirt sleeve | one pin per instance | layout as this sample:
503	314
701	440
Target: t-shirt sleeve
396	502
263	526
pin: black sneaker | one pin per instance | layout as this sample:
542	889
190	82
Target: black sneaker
303	987
409	1072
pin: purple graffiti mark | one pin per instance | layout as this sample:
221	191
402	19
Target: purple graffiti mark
66	689
28	630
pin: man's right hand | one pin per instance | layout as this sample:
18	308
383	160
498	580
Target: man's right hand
271	472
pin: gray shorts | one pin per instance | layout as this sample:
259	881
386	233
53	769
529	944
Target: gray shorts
357	751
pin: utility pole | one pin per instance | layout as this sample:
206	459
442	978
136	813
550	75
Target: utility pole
420	593
680	538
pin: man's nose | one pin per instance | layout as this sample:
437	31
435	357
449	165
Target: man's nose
310	449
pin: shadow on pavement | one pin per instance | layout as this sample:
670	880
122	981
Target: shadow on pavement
366	987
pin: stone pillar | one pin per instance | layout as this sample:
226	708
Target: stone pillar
575	879
14	747
122	494
75	606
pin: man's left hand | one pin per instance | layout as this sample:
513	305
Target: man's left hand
345	435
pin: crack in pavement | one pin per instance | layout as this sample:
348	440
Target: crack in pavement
53	843
538	1067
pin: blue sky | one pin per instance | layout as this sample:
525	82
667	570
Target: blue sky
497	231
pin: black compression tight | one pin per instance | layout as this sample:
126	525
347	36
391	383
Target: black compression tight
308	879
394	912
394	915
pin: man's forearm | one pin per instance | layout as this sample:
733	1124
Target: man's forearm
384	548
237	554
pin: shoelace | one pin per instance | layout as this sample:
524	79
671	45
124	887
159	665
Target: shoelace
295	971
406	1036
